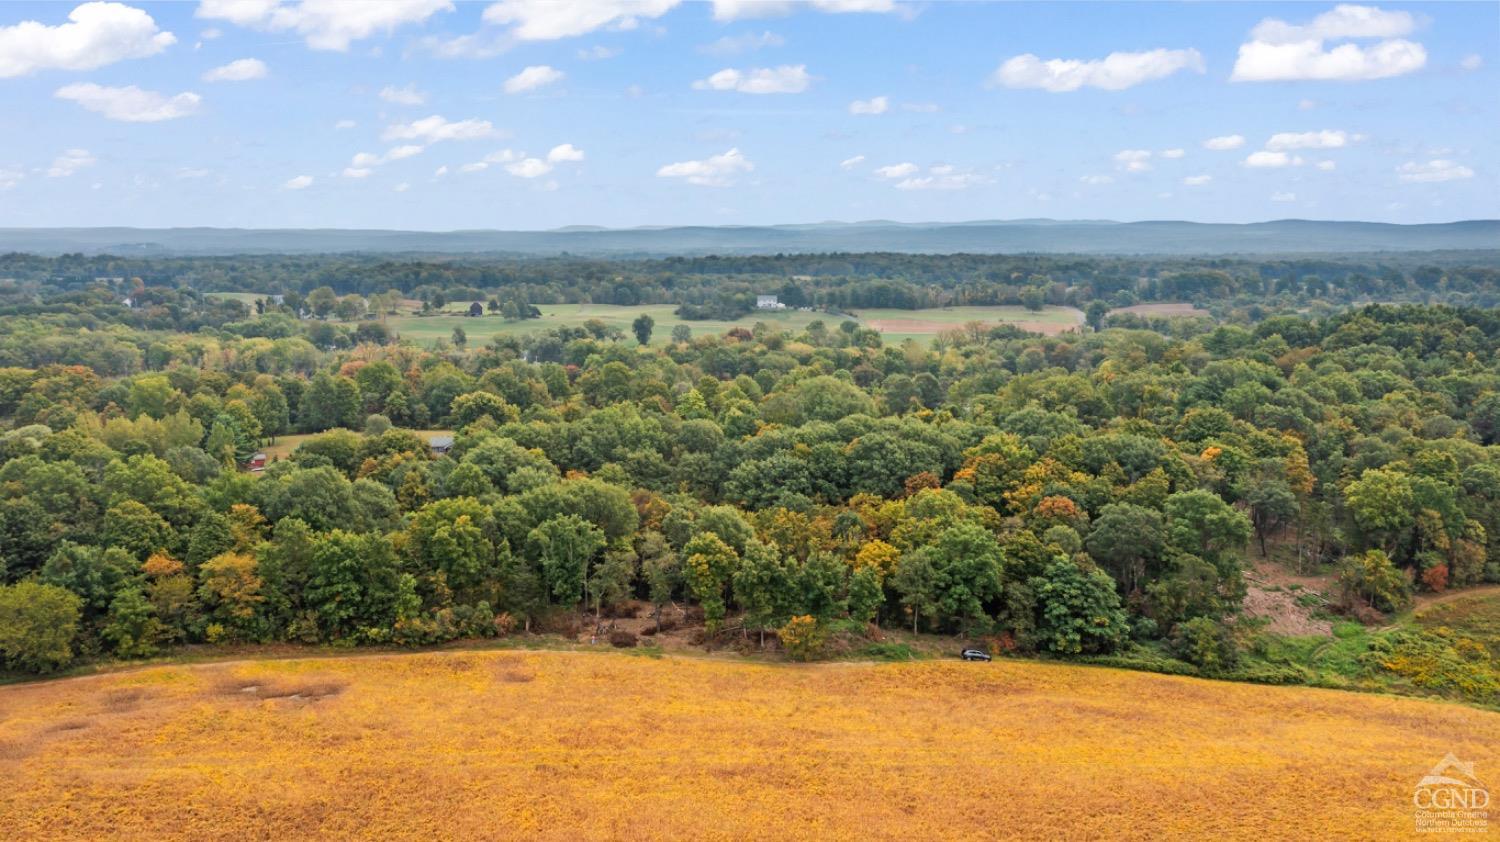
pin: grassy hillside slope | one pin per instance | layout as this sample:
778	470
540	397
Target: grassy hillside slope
558	745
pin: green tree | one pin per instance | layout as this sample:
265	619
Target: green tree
709	566
131	628
1078	610
38	623
642	327
1127	540
564	546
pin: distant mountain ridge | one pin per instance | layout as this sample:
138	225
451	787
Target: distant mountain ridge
1166	237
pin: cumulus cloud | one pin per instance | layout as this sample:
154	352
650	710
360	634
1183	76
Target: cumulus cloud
96	34
1325	139
1197	180
715	171
900	170
941	177
533	77
731	45
728	10
1266	159
130	104
529	168
1224	143
323	24
1439	169
874	105
851	163
1173	153
364	163
1327	166
1471	62
402	187
70	162
1114	72
1281	51
298	182
345	124
549	20
10	178
240	70
564	152
408	95
786	79
1133	160
437	128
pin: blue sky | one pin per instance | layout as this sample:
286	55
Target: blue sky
527	114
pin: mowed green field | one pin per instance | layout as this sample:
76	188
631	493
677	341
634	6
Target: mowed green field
894	325
245	298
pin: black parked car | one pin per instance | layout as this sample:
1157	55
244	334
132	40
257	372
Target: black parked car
974	655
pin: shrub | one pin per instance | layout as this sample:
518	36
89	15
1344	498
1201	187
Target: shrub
802	637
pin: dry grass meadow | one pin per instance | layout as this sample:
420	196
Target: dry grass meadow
561	745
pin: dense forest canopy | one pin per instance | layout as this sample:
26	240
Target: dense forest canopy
1092	493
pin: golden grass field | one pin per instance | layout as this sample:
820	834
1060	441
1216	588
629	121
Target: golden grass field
566	745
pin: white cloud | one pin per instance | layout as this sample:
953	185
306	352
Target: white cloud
533	77
440	171
1097	179
1197	180
324	24
130	104
1472	62
1224	143
901	170
1280	51
70	162
1133	160
96	34
1327	166
1325	139
941	177
408	95
437	128
874	105
1439	169
548	20
1114	72
1173	153
1283	197
364	163
714	171
345	124
564	152
1265	159
529	168
298	182
598	52
851	163
728	10
240	70
1307	104
402	187
786	79
10	178
749	42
